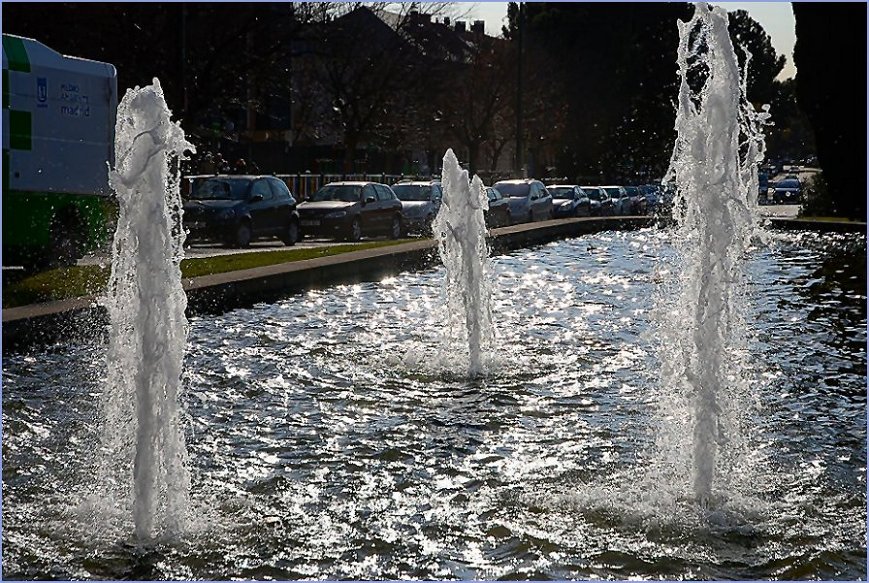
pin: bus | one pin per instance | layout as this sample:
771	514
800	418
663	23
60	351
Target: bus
58	144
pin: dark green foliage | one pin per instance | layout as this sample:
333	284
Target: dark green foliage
765	65
830	56
616	67
791	137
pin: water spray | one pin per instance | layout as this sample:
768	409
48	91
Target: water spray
142	435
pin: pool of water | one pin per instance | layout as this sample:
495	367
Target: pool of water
328	440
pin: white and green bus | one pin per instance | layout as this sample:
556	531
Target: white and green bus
58	141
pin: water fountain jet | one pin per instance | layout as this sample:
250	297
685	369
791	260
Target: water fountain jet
714	164
461	229
142	436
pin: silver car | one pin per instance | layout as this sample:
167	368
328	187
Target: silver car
420	202
529	200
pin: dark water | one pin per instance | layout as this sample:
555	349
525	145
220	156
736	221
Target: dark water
323	446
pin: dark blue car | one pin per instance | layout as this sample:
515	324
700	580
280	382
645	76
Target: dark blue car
569	200
239	209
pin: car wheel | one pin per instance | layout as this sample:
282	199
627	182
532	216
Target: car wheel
291	236
242	235
355	230
395	229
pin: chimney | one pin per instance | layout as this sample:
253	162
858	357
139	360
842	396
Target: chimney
479	27
460	26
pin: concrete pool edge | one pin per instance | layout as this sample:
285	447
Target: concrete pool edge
84	319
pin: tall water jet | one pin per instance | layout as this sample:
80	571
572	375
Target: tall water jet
460	226
715	159
142	434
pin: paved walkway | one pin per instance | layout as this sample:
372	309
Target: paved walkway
782	211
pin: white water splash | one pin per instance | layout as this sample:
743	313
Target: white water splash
705	390
143	454
460	226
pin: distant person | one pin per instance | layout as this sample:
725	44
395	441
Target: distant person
240	166
253	168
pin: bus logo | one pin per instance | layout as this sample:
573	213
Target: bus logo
41	92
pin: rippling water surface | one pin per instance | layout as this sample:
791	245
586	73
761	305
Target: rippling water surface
325	442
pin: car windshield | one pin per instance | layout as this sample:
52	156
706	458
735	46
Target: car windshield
492	194
614	192
561	192
339	192
513	189
221	189
632	190
410	192
788	184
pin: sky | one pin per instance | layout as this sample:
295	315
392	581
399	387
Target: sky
776	18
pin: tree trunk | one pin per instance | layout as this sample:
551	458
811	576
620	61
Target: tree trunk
473	155
496	155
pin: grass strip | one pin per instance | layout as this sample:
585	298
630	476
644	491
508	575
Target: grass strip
82	280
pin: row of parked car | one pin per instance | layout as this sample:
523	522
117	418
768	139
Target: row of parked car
237	209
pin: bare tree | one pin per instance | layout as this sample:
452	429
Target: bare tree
478	93
371	61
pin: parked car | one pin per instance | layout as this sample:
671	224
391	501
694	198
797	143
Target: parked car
638	200
529	200
652	194
787	191
498	213
239	209
601	205
569	200
621	200
420	202
351	210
